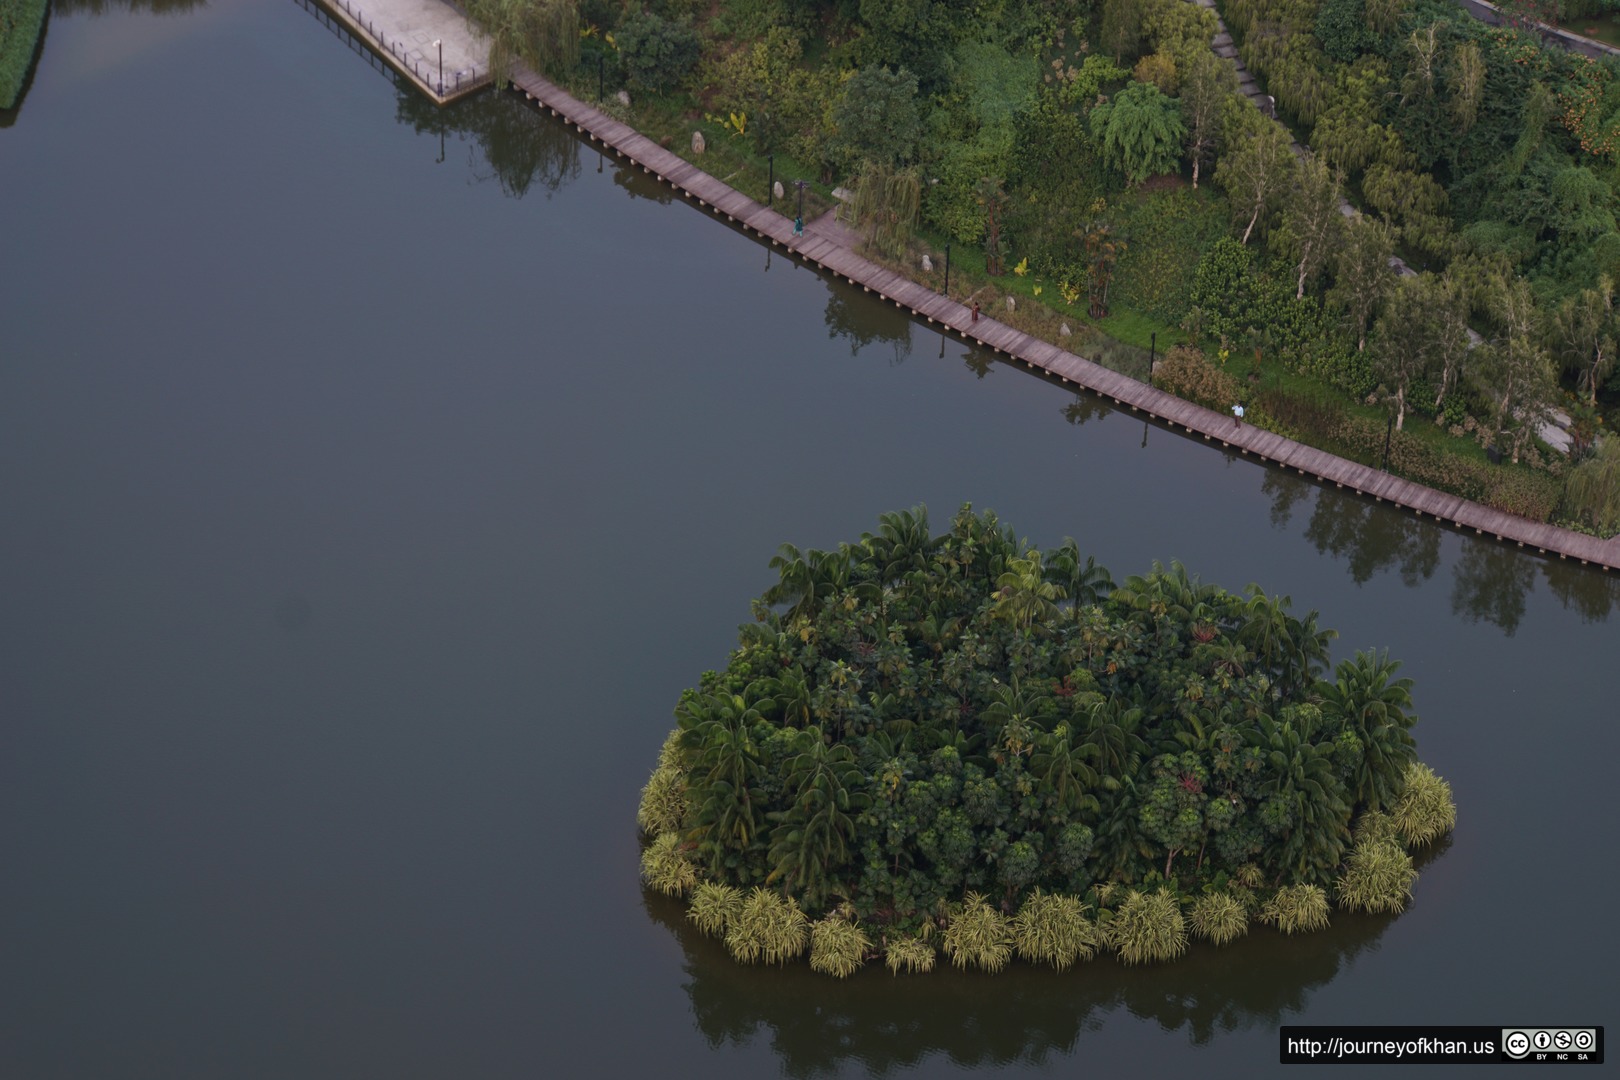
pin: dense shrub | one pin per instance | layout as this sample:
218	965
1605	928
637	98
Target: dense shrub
663	801
1424	812
1242	302
1297	909
1148	928
1341	27
1169	233
1187	373
658	53
1378	877
767	927
979	936
837	947
667	866
1219	918
714	906
1053	929
910	954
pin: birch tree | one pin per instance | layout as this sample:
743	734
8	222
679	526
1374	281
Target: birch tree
1312	220
1205	85
1256	169
1361	266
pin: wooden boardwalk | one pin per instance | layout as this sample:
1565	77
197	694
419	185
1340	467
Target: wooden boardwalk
722	200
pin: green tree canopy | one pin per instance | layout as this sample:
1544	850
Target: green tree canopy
658	53
877	118
1140	132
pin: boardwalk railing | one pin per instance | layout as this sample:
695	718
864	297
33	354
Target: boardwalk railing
341	32
412	61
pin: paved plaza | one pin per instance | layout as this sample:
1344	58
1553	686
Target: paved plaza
405	32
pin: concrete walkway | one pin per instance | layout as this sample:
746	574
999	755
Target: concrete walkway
428	41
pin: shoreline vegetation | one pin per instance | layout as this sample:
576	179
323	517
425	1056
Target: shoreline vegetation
964	746
1102	184
21	22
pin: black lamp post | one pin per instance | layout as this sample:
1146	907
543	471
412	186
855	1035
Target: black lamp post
601	76
770	185
802	184
1153	350
947	269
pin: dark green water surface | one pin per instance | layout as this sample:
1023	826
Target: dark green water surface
367	507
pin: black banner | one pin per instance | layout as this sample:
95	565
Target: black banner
1420	1045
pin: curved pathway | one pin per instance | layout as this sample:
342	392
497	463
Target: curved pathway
829	254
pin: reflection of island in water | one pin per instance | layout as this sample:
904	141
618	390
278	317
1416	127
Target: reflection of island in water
1022	1015
1491	579
1025	1014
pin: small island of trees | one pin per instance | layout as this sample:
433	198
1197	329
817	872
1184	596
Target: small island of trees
966	743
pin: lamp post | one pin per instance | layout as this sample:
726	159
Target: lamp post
947	269
601	76
801	184
1153	350
770	185
438	43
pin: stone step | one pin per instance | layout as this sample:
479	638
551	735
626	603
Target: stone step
1247	86
1222	38
1228	52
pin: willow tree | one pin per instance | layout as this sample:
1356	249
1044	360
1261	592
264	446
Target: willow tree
886	202
1467	84
544	33
1140	131
1593	494
1384	15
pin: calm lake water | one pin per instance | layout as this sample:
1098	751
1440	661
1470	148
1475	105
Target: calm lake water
369	499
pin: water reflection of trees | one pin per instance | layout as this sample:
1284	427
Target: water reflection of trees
102	7
1491	581
1369	537
1022	1016
1085	408
853	317
506	140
